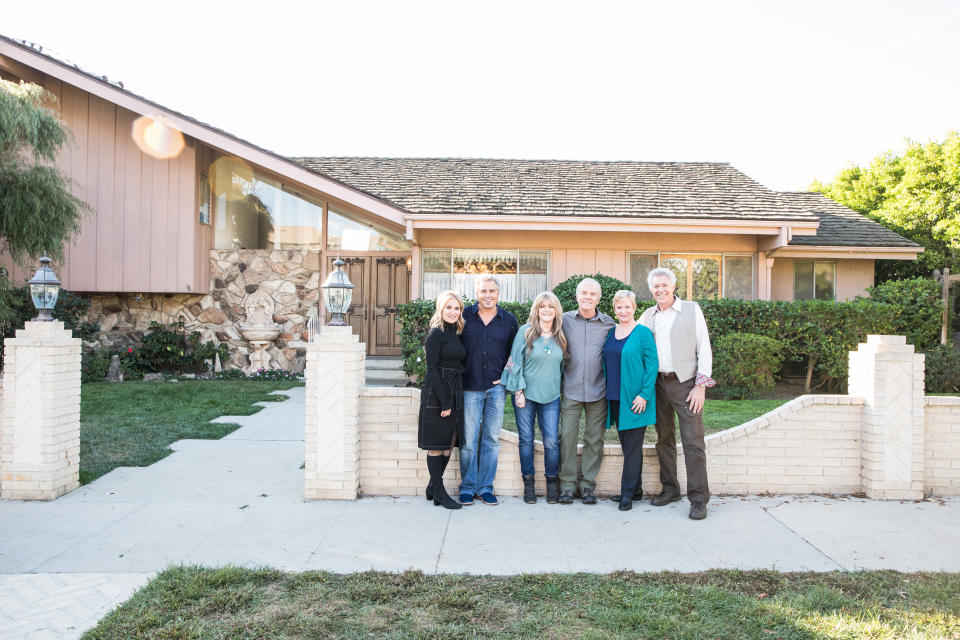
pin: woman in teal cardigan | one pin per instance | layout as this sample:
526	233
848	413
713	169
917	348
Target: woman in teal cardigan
630	362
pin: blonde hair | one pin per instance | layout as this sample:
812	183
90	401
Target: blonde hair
624	294
534	331
436	320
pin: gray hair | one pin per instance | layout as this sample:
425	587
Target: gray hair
485	277
589	282
661	271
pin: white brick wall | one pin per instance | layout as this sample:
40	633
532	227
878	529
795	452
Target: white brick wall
942	446
40	418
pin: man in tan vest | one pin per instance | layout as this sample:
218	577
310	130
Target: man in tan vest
686	362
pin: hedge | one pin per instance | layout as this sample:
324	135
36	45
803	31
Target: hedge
818	331
746	365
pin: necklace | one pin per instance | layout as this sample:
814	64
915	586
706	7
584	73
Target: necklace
547	343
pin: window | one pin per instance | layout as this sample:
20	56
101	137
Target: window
698	276
738	277
348	233
256	212
522	274
640	265
814	279
205	198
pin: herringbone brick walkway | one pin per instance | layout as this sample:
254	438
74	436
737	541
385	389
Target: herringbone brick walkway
58	606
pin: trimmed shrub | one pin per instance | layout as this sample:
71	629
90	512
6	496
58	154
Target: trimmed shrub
746	364
169	349
943	369
566	291
920	305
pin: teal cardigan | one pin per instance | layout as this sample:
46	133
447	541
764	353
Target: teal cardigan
638	377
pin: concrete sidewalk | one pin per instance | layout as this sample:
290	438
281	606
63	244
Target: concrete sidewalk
239	500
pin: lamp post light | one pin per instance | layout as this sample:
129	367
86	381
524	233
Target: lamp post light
337	294
44	289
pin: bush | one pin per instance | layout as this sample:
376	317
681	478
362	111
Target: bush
920	305
274	375
943	369
94	366
567	292
746	364
231	374
171	350
18	309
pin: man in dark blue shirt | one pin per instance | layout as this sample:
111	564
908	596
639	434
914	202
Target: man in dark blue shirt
488	333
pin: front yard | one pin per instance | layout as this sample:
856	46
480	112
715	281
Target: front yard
131	424
190	602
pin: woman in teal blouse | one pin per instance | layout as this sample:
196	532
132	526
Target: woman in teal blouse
630	362
533	375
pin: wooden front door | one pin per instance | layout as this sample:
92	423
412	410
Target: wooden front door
381	285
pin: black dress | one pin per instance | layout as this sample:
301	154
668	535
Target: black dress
442	390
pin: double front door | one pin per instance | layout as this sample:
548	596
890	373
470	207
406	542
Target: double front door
381	285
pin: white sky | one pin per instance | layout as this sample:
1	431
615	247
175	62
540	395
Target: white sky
786	92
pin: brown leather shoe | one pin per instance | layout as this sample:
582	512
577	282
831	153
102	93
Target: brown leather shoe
698	510
663	498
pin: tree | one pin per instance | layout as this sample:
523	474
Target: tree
917	194
38	211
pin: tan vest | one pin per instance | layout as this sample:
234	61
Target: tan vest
683	338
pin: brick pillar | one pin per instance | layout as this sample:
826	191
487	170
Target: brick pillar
334	376
888	375
40	435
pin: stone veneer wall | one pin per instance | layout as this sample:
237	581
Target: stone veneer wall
942	445
291	277
809	445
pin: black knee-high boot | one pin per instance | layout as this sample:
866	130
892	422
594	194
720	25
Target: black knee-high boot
435	465
443	470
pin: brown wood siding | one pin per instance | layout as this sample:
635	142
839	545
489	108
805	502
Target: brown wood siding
142	234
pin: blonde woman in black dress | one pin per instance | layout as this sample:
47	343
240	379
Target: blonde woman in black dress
441	399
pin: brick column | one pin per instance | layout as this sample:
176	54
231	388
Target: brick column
888	375
334	374
40	435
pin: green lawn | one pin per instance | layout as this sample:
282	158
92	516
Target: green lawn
717	415
131	424
188	602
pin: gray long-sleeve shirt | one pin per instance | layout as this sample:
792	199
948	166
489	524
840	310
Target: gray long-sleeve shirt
583	379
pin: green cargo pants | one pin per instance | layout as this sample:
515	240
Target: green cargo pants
592	456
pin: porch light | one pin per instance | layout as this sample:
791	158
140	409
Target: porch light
337	293
44	289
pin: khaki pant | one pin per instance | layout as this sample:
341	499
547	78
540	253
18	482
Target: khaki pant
592	456
671	399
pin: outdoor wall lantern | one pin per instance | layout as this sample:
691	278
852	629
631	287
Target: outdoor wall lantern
337	293
44	289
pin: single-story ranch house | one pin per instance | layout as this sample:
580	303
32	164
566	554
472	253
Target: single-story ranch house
189	221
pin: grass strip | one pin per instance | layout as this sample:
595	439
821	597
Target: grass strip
718	415
197	603
132	424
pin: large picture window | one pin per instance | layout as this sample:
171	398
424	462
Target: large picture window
814	279
256	212
698	276
522	274
348	233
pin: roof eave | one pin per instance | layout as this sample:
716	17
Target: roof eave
858	252
608	223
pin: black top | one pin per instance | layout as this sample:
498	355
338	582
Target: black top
488	346
444	351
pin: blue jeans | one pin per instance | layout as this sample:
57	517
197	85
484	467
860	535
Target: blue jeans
482	421
548	417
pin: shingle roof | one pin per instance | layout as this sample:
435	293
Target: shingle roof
581	188
841	226
561	187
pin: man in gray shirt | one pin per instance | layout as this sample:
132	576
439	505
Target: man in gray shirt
584	391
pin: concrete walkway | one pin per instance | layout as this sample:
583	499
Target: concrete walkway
239	500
